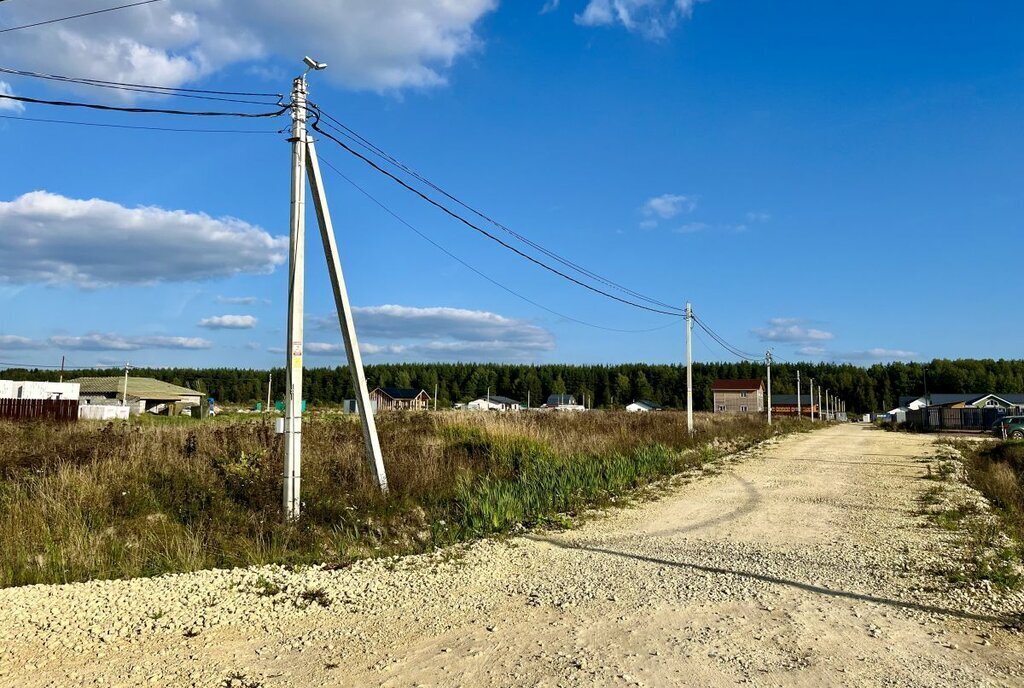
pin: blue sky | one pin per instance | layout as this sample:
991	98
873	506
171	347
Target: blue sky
839	181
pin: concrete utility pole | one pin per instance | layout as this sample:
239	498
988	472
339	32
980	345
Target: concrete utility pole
819	402
768	359
270	386
124	393
306	165
436	385
62	369
812	400
689	368
799	414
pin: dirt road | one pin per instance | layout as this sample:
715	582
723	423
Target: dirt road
806	563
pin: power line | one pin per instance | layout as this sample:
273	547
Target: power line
484	232
78	16
43	75
160	111
133	88
352	135
475	270
725	345
129	126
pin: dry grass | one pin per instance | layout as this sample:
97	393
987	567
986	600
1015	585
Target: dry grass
92	500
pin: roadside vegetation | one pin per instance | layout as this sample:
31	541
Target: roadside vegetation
91	500
993	540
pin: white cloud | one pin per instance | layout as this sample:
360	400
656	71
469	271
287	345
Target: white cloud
237	300
229	322
653	19
692	227
113	342
438	333
791	330
549	6
9	105
48	238
873	355
758	217
667	206
13	341
368	44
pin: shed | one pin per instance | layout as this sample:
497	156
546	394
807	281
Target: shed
642	406
494	402
144	394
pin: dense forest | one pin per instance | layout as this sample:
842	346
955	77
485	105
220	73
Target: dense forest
877	387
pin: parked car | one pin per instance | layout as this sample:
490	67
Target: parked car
1014	427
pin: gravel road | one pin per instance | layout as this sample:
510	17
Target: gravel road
805	562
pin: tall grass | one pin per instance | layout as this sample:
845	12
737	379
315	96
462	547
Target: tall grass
93	500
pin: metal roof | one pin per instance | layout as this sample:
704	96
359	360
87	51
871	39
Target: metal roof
402	392
736	385
790	400
941	399
498	399
138	387
561	400
647	403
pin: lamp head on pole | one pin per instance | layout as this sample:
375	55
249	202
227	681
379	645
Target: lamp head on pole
313	64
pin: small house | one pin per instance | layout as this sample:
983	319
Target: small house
400	399
738	396
493	402
643	406
563	402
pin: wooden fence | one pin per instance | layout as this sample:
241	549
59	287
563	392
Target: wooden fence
64	410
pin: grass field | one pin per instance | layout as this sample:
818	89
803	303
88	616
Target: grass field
92	500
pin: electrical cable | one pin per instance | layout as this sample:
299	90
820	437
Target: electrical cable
86	80
130	126
114	108
363	142
78	16
315	126
725	345
131	88
475	270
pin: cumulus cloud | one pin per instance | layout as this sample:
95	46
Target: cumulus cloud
653	19
793	330
369	44
51	239
13	341
667	206
439	333
229	322
96	341
9	105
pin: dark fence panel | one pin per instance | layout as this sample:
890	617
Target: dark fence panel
963	419
65	410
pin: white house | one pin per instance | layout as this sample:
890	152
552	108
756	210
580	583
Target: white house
643	406
563	402
494	403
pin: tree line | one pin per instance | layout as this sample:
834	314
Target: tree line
873	388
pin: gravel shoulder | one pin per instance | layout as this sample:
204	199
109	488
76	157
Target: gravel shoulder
804	562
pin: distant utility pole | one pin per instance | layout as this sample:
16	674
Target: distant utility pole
689	368
270	386
768	359
124	393
435	395
799	414
812	400
62	369
819	402
306	165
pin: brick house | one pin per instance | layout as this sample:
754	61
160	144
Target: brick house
738	396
